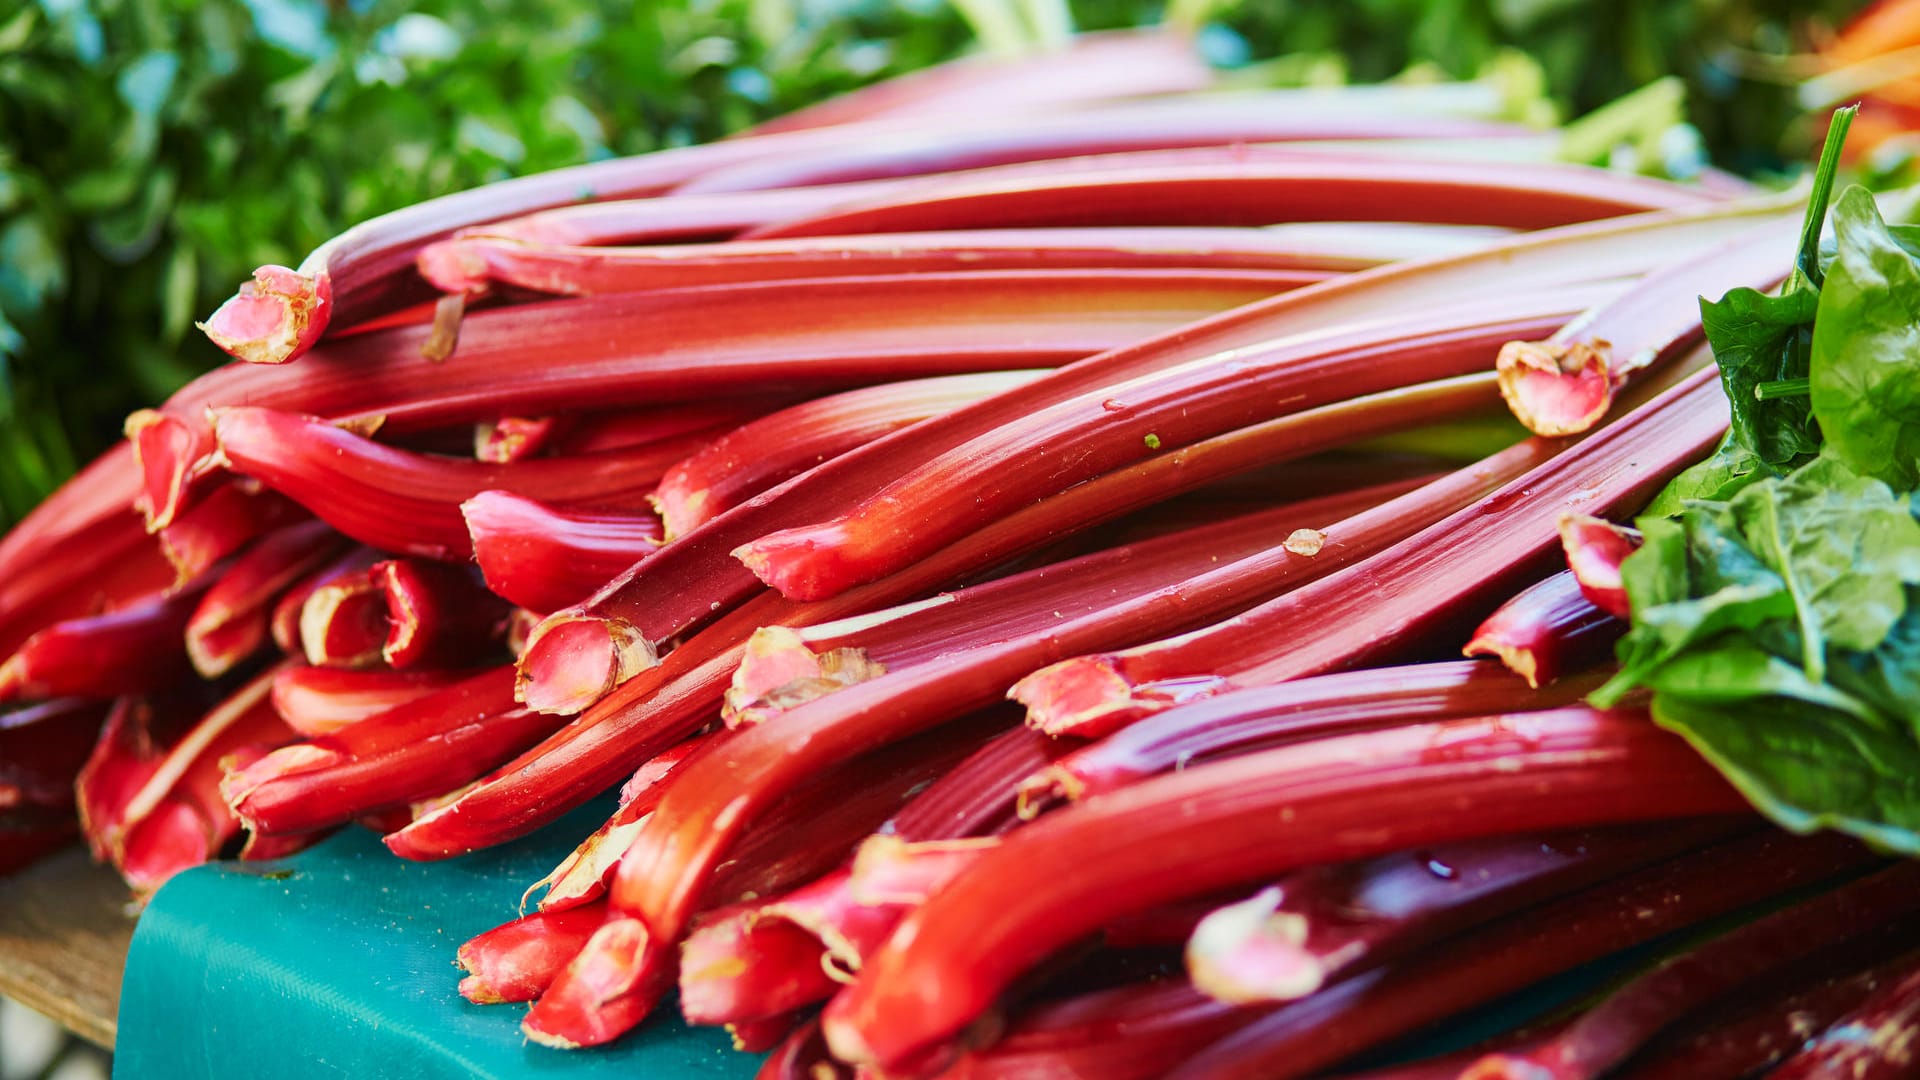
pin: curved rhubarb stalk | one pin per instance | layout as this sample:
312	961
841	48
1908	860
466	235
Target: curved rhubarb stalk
583	875
343	619
176	819
1197	192
566	670
1759	1030
273	318
1268	716
517	961
1095	434
424	747
696	575
1549	629
348	571
749	460
1488	550
1090	67
437	615
667	702
1595	549
1220	824
1132	1032
1318	924
577	270
223	524
544	558
685	344
910	515
1616	1028
1376	1007
129	650
231	620
316	701
512	438
407	502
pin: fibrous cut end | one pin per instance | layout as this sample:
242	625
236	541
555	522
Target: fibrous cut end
572	661
1557	388
275	317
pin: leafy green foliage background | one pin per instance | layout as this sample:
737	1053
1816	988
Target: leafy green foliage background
152	152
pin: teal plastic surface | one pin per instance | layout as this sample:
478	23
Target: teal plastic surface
339	962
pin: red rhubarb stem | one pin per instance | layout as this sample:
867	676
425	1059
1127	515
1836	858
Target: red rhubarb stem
1548	630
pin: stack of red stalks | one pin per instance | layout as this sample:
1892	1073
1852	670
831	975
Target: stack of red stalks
765	478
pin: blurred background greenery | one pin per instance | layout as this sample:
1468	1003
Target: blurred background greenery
152	152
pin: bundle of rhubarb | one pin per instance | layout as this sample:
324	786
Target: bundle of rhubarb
1016	574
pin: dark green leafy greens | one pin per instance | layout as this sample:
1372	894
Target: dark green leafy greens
1776	598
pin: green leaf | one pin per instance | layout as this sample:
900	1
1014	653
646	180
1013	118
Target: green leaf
1759	339
1865	367
1716	479
1844	546
1808	767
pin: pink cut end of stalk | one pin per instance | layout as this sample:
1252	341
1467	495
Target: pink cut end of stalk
1081	696
681	511
1556	388
453	266
604	993
1041	790
166	450
800	563
476	990
1250	952
1515	658
1595	549
778	672
240	780
572	661
273	318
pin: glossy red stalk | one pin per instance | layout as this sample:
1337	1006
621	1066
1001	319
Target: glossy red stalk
1311	187
1134	586
587	433
105	564
1566	384
177	819
129	650
543	557
1131	1032
664	704
224	523
316	701
940	499
1264	717
1595	548
424	747
732	969
1757	1030
1613	1030
1548	630
943	499
1421	587
1503	957
231	620
137	735
437	615
581	653
688	344
584	874
406	502
1318	924
697	575
1219	824
578	270
519	960
750	459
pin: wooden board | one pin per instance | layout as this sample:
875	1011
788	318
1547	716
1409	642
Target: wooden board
64	931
